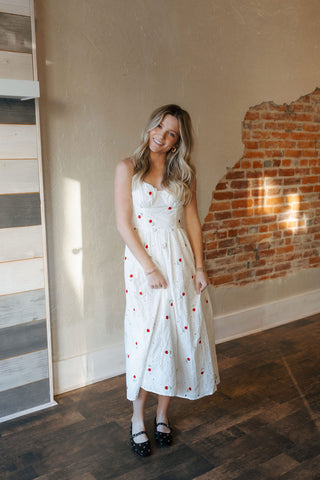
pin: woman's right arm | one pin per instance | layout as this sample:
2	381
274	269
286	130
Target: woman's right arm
123	211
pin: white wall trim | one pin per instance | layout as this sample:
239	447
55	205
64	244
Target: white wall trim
92	367
28	411
76	372
268	315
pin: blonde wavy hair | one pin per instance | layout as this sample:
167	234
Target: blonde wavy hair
179	171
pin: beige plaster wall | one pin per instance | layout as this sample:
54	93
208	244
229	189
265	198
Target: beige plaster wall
103	66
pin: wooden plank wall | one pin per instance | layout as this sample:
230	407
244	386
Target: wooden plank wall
25	365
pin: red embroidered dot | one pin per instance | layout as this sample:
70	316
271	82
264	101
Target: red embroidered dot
139	216
202	373
150	193
183	294
171	304
147	246
149	369
166	387
186	328
207	301
126	291
150	221
190	389
125	258
140	293
134	228
166	352
192	276
193	309
199	341
134	376
136	343
180	260
134	309
179	220
188	359
148	330
169	208
131	275
128	356
167	317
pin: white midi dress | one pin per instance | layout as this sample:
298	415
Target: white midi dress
168	348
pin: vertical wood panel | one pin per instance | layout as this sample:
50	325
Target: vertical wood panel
21	276
19	176
22	339
20	210
17	111
25	397
16	66
22	370
15	33
20	243
18	141
22	308
19	7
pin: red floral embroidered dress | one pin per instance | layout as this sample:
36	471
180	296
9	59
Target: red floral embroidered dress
168	351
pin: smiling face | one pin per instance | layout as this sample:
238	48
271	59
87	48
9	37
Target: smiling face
165	135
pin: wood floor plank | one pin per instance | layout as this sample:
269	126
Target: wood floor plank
262	424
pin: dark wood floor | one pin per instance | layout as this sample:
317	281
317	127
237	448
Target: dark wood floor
264	422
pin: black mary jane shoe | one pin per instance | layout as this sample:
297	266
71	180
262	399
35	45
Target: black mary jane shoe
163	439
143	449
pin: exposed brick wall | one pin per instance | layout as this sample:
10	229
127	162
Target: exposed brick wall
264	218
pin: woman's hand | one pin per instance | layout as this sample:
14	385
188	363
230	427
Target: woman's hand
156	279
201	280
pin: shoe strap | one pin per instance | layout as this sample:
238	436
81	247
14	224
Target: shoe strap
137	434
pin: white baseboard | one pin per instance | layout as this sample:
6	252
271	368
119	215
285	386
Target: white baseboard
268	315
28	411
76	372
93	367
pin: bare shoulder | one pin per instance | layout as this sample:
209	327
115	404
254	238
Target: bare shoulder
125	167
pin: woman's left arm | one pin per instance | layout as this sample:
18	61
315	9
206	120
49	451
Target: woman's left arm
194	232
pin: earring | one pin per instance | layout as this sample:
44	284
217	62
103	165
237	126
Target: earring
173	149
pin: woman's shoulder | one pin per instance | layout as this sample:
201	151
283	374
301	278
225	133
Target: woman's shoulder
125	167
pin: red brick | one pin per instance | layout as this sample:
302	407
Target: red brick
257	164
222	279
226	243
245	164
234	174
264	271
242	213
269	218
222	215
287	249
311	127
258	192
230	223
233	232
221	186
306	144
241	184
209	217
242	203
251	144
315	170
292	181
274	153
252	116
274	201
313	179
251	220
282	266
310	153
240	194
221	195
219	206
254	154
216	254
281	134
286	162
211	245
286	172
304	117
270	173
261	134
254	174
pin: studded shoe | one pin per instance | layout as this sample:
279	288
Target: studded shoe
163	439
143	449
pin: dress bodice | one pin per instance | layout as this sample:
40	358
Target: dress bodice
156	209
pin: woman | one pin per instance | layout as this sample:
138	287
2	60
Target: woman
166	340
